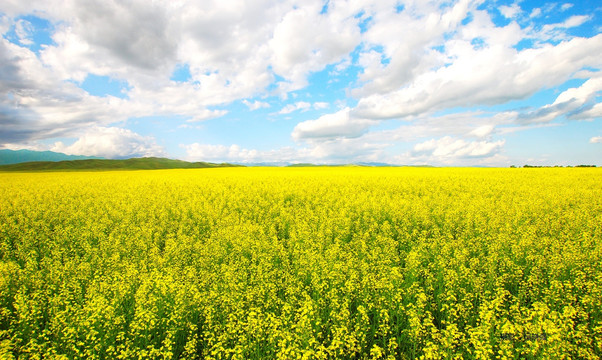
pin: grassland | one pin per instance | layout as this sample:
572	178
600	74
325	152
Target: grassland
148	163
302	263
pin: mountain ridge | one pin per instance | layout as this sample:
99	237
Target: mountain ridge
8	156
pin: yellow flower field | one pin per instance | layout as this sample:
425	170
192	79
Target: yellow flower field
302	263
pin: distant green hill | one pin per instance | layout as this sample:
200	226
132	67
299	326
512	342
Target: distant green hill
19	156
149	163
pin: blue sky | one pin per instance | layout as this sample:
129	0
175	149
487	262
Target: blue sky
449	83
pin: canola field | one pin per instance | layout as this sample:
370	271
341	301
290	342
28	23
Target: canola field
302	263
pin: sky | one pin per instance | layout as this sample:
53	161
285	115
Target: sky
444	83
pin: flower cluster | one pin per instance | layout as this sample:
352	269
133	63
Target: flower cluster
302	263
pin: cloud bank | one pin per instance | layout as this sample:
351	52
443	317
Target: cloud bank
111	142
422	81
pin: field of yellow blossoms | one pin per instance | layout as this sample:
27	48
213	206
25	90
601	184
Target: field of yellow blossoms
302	263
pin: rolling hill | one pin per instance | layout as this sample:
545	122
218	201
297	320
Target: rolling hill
149	163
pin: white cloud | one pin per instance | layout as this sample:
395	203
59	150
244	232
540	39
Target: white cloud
206	114
577	103
306	41
482	131
303	106
477	125
226	47
111	142
232	51
237	154
37	104
407	39
575	21
24	30
411	64
448	148
5	23
206	152
300	105
558	31
347	150
256	105
511	11
339	124
566	6
35	146
596	140
536	12
340	151
341	137
590	112
490	75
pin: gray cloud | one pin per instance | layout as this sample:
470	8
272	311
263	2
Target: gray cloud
137	32
11	78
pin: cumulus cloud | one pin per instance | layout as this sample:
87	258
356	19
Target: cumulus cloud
511	11
232	50
391	61
469	125
339	124
235	153
306	40
325	152
447	148
207	152
347	150
405	65
485	76
111	142
482	131
36	104
596	140
132	41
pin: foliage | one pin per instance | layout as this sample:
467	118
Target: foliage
302	263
